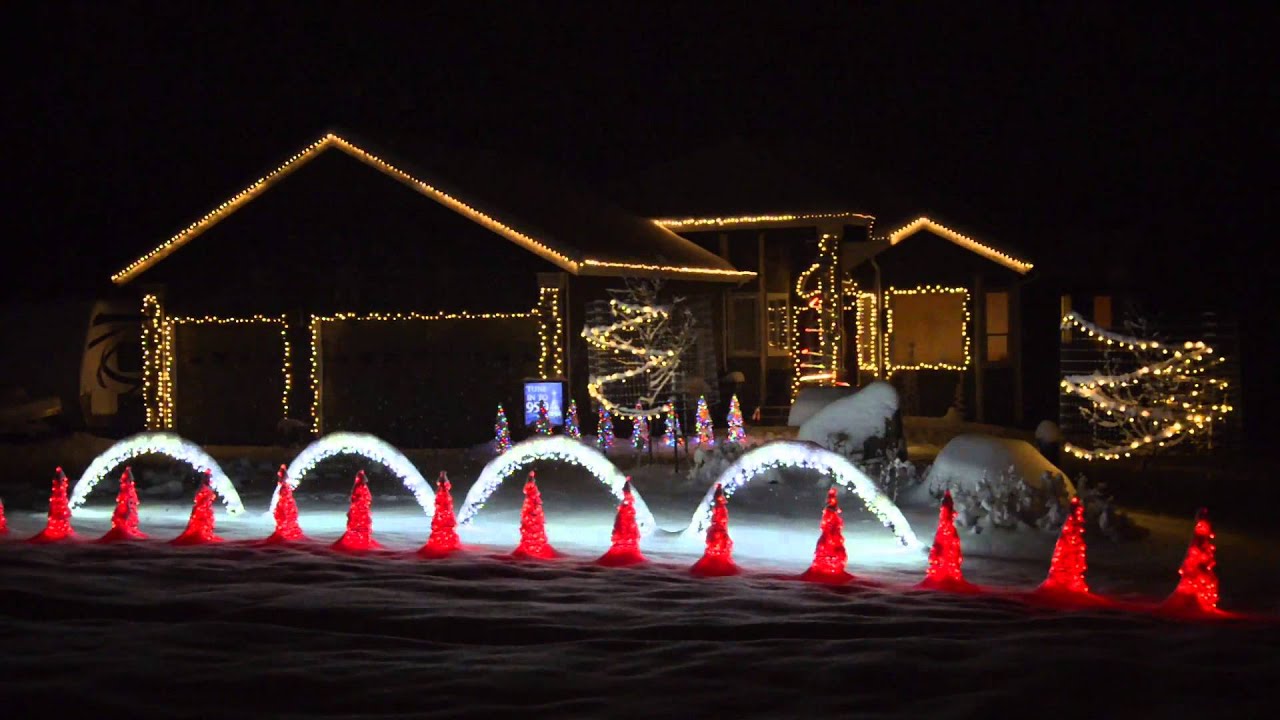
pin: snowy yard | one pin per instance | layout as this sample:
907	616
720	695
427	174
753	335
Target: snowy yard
150	630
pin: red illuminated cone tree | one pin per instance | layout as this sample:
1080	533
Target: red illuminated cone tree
4	524
830	556
626	534
533	526
286	513
444	525
359	534
945	557
717	560
1067	568
200	528
58	526
1197	589
124	521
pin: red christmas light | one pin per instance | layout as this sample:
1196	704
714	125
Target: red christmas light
1067	568
58	526
200	528
533	526
359	534
4	524
444	525
945	556
286	514
124	521
830	556
1197	589
626	534
717	560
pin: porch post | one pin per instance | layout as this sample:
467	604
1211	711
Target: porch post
979	352
551	306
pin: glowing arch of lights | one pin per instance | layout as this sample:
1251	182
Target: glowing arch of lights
790	453
367	446
160	443
556	447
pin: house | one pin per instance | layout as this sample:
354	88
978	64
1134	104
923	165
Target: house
350	290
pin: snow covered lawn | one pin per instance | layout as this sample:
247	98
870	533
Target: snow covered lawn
150	630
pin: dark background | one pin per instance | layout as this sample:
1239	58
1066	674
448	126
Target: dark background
1128	146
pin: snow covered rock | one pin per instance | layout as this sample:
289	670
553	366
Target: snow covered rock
810	400
845	425
970	460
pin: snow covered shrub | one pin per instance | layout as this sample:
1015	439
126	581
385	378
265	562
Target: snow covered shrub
1102	514
711	462
1007	502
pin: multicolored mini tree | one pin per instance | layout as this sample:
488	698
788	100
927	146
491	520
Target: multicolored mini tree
717	560
945	556
1198	587
604	430
124	520
200	526
542	425
58	526
286	513
736	432
1068	566
706	430
533	525
830	556
640	431
625	549
501	433
672	436
359	534
571	426
444	524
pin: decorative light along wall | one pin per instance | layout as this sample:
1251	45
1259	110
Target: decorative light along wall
158	357
541	247
889	293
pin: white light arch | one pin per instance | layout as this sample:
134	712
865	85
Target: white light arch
160	443
790	453
367	446
556	447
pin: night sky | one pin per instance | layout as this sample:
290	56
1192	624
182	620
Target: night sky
1129	143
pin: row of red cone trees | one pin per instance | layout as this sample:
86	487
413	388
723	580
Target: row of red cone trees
1197	590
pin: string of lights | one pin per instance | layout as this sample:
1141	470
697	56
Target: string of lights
924	223
889	294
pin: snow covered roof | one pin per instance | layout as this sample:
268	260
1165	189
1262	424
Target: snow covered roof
578	233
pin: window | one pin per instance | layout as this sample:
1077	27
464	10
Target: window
928	329
997	327
1102	311
744	324
779	306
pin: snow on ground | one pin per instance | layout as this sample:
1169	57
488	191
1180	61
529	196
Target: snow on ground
151	630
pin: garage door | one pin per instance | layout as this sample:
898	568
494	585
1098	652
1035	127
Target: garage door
423	383
229	382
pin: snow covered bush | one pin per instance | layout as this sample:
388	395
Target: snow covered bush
1102	514
859	426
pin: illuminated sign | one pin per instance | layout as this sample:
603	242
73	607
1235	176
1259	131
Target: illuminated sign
549	391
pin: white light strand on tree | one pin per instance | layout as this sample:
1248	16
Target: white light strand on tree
366	446
159	443
1162	403
789	453
649	342
557	448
